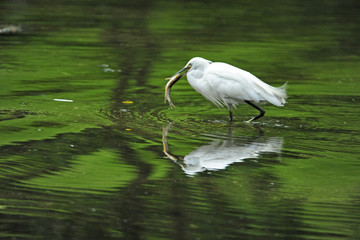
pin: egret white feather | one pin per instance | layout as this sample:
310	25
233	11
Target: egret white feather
226	85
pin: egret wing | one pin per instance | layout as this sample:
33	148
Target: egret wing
234	85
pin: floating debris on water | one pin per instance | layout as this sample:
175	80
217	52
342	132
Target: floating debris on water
107	68
10	29
63	100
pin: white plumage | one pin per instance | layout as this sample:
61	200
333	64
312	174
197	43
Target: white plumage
226	85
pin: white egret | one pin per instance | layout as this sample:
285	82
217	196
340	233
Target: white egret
226	85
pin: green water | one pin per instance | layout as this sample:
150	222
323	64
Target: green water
89	149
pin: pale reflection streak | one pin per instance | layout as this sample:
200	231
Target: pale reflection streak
220	153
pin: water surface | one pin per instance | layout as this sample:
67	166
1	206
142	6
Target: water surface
89	150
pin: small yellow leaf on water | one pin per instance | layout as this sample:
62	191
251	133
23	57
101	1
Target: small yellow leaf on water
128	102
128	129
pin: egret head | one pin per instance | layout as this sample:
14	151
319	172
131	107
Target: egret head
197	63
194	64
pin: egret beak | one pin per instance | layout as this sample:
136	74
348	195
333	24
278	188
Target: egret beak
176	77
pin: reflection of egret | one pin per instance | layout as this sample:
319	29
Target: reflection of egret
226	85
220	153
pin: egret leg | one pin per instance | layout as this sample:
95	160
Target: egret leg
262	112
230	112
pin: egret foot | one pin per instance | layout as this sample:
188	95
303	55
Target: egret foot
262	111
250	120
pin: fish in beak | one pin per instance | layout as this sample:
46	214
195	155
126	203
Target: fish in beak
176	77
